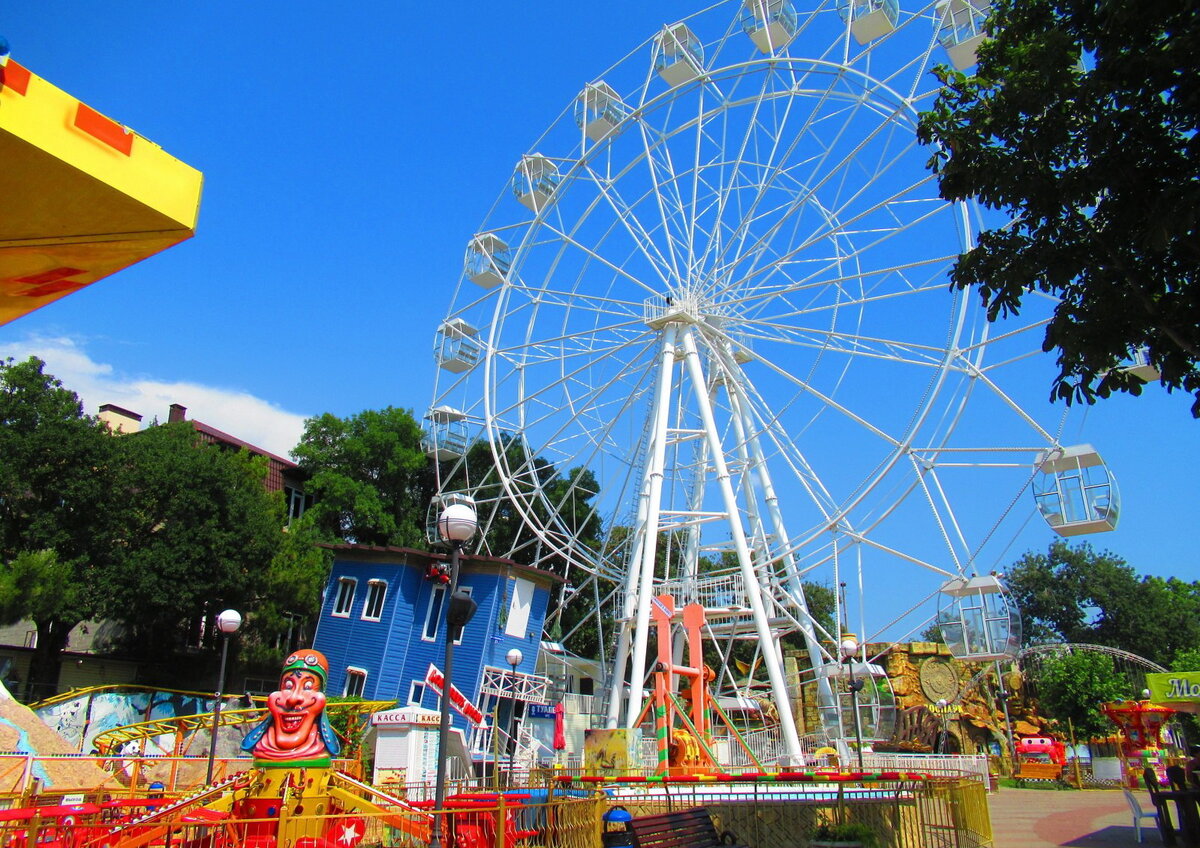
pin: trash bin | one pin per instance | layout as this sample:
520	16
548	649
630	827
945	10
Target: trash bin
616	833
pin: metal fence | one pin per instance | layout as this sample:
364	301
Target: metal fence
910	813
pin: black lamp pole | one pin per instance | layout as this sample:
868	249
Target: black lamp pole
227	622
849	650
456	526
439	789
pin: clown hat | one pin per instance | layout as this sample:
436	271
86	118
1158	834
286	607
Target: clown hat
308	660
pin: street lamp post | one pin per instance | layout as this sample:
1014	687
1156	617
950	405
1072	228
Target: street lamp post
228	623
940	747
849	649
514	657
456	526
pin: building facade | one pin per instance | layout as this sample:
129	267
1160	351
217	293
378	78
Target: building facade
382	627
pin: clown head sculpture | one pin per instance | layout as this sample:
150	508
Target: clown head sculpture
296	732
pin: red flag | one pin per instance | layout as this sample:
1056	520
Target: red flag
560	735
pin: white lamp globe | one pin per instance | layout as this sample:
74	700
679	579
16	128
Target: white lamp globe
849	647
514	657
229	621
457	523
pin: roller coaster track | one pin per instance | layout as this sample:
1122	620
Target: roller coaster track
1053	648
118	688
182	726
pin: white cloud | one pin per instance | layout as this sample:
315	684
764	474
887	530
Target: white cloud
238	413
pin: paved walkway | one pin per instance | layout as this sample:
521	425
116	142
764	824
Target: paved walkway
1093	818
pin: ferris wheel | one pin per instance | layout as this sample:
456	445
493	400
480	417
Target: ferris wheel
704	345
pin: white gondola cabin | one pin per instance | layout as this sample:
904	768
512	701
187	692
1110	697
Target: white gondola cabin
771	24
534	182
599	110
978	620
488	260
457	347
1075	492
869	19
1139	365
961	29
446	434
876	701
679	55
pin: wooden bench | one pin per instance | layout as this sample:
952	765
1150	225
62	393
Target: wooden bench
1039	771
683	829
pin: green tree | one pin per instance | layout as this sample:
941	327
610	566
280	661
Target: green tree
1072	685
1080	124
289	598
1073	594
368	476
200	531
57	517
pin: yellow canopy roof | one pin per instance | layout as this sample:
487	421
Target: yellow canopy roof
80	195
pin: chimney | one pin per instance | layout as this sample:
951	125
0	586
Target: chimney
178	413
120	420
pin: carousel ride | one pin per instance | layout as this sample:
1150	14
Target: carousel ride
704	347
291	795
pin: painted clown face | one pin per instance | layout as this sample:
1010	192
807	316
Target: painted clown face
296	711
295	707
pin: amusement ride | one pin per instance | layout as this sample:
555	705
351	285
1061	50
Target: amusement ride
705	347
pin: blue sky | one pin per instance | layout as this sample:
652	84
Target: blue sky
348	156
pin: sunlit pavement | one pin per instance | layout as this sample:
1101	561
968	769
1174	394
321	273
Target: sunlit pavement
1093	818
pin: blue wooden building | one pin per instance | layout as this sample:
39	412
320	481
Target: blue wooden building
382	626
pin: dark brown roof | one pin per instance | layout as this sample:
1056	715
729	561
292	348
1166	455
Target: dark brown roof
379	552
277	466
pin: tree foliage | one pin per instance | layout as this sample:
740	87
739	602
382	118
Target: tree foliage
142	529
290	597
199	534
1080	123
57	522
1072	685
1073	594
368	476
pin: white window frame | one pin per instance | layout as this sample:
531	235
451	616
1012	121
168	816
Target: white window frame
341	610
440	591
520	607
351	672
416	693
374	586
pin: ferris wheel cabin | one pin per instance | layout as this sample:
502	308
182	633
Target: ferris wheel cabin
869	19
978	619
962	29
1075	492
457	347
680	55
771	24
599	110
876	700
488	260
446	435
534	182
1140	366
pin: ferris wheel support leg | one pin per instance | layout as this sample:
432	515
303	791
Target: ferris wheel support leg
748	433
767	646
648	528
616	689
